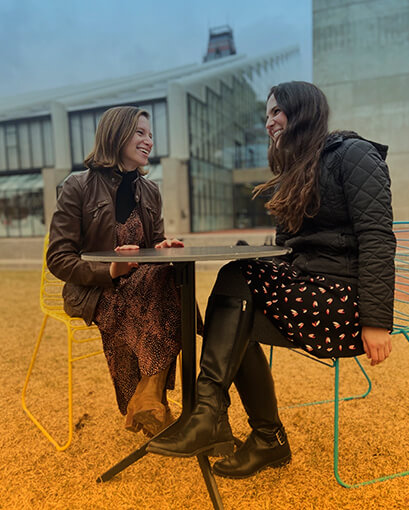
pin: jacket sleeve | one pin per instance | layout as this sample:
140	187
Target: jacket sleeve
281	238
65	246
366	183
281	235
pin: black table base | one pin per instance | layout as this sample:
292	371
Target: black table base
185	278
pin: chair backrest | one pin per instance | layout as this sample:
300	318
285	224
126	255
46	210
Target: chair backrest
401	308
51	287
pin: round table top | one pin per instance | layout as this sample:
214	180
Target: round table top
186	254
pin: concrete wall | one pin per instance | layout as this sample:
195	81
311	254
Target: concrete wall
175	172
63	163
175	195
361	62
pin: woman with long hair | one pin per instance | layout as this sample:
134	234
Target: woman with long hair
332	296
136	307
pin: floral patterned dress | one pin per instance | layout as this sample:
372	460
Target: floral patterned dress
139	320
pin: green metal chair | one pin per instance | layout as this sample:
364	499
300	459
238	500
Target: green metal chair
400	327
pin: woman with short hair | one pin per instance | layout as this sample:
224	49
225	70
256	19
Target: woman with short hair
136	307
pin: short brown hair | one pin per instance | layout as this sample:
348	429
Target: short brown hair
115	128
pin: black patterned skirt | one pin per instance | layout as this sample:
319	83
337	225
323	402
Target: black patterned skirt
314	312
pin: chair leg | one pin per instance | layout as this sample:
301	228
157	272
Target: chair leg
70	399
36	422
332	365
30	368
366	393
336	438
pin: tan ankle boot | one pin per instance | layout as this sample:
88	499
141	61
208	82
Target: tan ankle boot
146	409
169	419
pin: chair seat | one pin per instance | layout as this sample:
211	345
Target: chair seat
76	322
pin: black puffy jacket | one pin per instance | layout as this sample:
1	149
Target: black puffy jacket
351	236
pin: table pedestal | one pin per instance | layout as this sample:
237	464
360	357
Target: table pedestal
185	278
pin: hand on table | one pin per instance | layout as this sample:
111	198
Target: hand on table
377	343
170	243
121	268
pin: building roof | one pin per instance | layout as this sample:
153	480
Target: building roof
221	43
138	87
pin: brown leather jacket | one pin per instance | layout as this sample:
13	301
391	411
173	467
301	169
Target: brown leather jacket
85	221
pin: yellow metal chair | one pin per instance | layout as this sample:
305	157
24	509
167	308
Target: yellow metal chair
78	332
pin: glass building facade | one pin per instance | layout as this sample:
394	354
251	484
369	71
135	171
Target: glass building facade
217	139
21	205
207	122
26	146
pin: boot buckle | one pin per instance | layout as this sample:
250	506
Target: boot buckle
280	437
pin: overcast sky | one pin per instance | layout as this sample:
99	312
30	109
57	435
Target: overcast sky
51	43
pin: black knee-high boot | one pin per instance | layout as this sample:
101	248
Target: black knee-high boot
228	324
267	445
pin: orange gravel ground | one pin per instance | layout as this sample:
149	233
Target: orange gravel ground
33	475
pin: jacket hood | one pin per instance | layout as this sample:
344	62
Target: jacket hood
336	138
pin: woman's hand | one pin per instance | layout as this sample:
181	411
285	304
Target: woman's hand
121	268
377	343
170	243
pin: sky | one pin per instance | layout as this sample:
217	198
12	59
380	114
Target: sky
51	43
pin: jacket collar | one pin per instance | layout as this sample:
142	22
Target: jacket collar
336	138
114	174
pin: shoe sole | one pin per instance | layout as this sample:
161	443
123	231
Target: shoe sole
277	464
217	450
146	421
134	427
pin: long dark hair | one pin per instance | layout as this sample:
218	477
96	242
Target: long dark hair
295	162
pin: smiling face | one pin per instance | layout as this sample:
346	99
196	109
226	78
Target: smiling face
276	120
136	151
